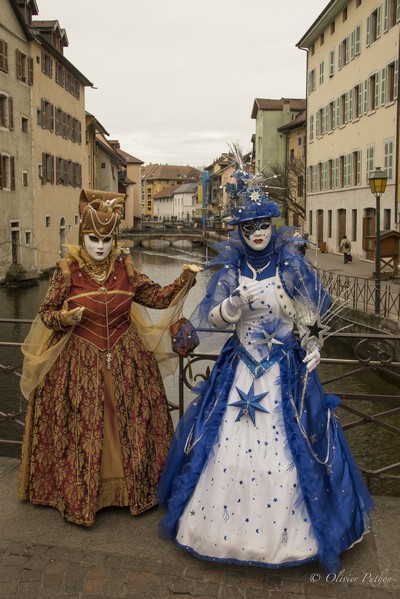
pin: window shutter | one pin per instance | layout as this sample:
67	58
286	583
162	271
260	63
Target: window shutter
51	117
317	124
43	65
358	167
350	106
366	96
1	171
10	113
43	115
378	22
396	79
386	16
398	11
30	71
357	48
340	56
352	44
51	68
368	36
18	64
376	90
12	171
44	169
4	56
66	182
383	86
51	158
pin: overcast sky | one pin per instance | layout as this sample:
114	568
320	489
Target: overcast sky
176	79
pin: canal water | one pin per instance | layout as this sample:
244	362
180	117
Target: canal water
372	446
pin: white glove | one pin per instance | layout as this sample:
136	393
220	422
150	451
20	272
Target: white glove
246	293
312	359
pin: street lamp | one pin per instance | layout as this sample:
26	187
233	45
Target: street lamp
377	182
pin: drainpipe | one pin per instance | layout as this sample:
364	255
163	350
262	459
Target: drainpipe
396	182
306	144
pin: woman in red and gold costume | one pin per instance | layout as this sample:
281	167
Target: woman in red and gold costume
98	427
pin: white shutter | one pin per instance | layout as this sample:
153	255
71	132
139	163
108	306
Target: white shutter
376	105
368	36
386	16
383	86
378	22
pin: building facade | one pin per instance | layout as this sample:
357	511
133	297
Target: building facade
352	120
16	198
156	177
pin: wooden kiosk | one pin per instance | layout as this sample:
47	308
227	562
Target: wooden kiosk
390	244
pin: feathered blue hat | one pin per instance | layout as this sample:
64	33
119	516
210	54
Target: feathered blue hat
248	199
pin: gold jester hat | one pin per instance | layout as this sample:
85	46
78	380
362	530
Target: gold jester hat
100	213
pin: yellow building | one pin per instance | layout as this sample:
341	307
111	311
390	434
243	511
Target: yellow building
58	141
352	119
156	177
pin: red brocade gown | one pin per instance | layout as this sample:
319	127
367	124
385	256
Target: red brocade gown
97	427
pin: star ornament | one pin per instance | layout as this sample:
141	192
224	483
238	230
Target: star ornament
316	330
249	403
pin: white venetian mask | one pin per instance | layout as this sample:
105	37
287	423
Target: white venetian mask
98	248
257	233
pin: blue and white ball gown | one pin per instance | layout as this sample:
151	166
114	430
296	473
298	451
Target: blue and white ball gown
259	472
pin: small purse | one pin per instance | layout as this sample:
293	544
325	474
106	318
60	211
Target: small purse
184	337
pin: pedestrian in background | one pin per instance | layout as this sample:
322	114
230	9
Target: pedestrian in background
345	247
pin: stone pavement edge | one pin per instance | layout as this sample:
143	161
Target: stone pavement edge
44	557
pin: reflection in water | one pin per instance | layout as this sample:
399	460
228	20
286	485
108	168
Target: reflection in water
369	444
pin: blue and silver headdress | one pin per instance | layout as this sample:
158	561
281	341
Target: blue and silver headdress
248	196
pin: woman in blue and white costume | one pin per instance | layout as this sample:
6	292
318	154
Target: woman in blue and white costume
259	472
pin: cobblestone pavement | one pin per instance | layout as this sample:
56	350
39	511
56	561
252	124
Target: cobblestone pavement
44	557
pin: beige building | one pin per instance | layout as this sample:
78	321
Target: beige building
58	136
352	123
16	79
133	187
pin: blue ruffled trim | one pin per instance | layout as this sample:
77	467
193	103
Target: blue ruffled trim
239	562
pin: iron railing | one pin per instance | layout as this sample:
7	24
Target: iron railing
377	354
359	293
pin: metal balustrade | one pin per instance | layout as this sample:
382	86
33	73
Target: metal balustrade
367	353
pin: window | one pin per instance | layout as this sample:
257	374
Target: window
333	27
310	223
343	110
76	220
24	124
373	91
370	161
343	58
45	116
47	168
374	26
25	178
312	81
321	72
344	14
330	174
358	3
321	39
391	14
388	163
390	82
22	66
28	238
47	64
341	171
3	56
47	221
7	172
300	187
